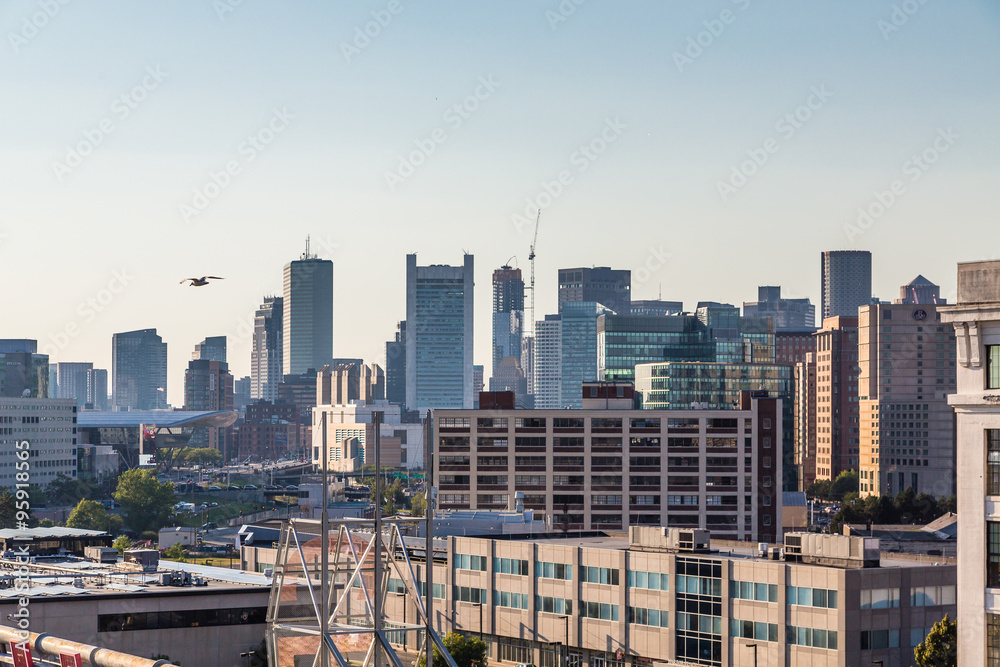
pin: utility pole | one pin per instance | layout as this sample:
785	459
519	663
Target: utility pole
379	598
324	519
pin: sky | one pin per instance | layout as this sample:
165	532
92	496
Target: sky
708	146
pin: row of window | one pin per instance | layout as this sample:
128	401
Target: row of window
654	581
511	600
510	566
599	610
657	618
765	632
813	637
819	597
880	598
186	618
751	590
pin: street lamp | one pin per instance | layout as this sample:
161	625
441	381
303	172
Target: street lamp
754	647
564	649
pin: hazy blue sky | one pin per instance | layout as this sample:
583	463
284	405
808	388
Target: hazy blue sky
162	95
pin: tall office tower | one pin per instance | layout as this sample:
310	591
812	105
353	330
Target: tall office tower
23	372
265	357
975	320
72	380
738	339
786	313
508	314
655	307
547	363
805	420
439	328
792	345
241	392
212	348
395	367
907	361
478	383
138	371
97	389
208	385
53	385
509	376
600	284
579	349
838	434
920	290
307	316
847	282
528	362
352	381
623	341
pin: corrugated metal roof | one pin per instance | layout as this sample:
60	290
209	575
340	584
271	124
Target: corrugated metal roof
793	499
218	573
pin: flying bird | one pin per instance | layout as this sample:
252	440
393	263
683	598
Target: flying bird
201	282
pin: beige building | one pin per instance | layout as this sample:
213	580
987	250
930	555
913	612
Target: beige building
836	410
805	420
348	442
976	322
907	362
602	468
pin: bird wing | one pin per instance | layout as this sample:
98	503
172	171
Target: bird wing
185	280
214	277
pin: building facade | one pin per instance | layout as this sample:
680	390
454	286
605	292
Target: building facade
920	290
212	348
48	426
439	335
656	307
307	314
606	469
24	372
786	313
508	314
266	366
208	386
906	357
271	431
805	420
138	370
846	277
600	284
976	401
792	345
837	411
625	341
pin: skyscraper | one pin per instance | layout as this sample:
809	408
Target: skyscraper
212	348
508	314
138	370
547	359
72	380
97	389
907	361
23	372
265	357
836	413
439	328
208	385
847	282
395	367
786	313
307	318
600	284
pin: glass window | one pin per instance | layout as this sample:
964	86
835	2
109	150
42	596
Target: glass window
993	366
993	462
992	554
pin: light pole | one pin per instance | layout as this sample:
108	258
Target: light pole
564	649
754	647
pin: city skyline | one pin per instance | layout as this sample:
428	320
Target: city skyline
697	159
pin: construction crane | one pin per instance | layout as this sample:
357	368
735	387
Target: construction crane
531	258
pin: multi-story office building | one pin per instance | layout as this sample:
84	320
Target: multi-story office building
607	466
307	314
508	314
599	284
270	431
266	366
792	345
347	382
212	348
24	372
906	357
976	401
97	389
508	376
837	412
846	278
547	355
625	341
48	425
674	597
737	339
528	363
656	307
566	354
439	335
678	385
920	290
346	432
241	393
395	367
138	370
83	382
786	313
208	386
478	382
804	433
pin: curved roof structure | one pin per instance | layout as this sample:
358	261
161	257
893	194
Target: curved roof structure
159	418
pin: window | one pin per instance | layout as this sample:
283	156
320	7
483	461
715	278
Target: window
826	599
599	575
813	637
510	649
467	562
553	605
880	598
467	594
992	554
993	366
654	581
658	618
930	596
993	640
599	610
548	570
878	639
510	600
529	422
186	618
752	590
765	632
993	462
510	566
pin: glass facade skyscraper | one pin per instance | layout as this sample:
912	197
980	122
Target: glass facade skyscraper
307	316
265	357
624	341
139	370
439	329
508	314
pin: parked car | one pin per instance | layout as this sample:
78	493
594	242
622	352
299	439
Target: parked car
291	487
249	487
235	488
214	488
211	525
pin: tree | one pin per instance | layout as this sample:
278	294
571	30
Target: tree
202	455
122	543
418	505
92	515
846	482
466	651
8	509
146	503
940	647
176	552
67	491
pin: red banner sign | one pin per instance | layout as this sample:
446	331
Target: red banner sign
22	655
70	660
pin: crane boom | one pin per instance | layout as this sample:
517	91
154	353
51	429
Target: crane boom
531	258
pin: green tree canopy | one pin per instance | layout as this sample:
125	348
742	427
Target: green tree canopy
466	651
122	543
940	647
8	509
146	503
418	504
67	491
176	552
92	515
